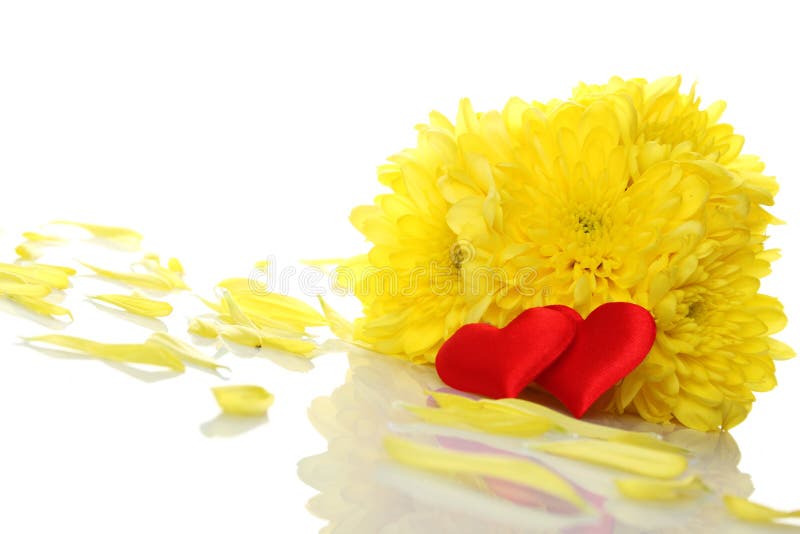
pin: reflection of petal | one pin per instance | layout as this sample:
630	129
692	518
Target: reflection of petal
14	308
361	491
289	362
468	505
150	323
227	426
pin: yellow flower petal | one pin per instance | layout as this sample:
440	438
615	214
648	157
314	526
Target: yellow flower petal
8	287
298	347
622	456
137	353
243	335
253	337
69	271
341	327
648	489
137	304
174	265
509	468
37	237
29	251
585	428
270	323
250	401
50	276
697	415
237	315
203	327
185	351
488	421
40	306
281	313
519	412
758	513
281	308
779	350
147	281
173	277
32	248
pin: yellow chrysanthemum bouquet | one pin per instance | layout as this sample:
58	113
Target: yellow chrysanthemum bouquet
626	192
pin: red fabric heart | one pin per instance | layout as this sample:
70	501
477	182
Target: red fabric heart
501	362
608	345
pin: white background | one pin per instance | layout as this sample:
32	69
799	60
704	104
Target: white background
229	131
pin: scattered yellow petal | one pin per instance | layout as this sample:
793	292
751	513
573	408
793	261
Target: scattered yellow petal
237	315
623	456
185	351
40	306
341	327
8	287
251	401
282	308
137	304
69	271
37	237
253	337
558	420
261	264
148	281
483	420
203	327
232	312
585	428
174	265
267	324
509	468
172	277
243	335
32	248
454	400
217	307
464	412
29	251
299	347
37	274
112	233
750	511
648	489
138	353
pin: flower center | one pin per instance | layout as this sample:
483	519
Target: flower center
696	310
460	253
587	224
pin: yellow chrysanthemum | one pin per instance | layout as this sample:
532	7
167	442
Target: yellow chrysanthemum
626	192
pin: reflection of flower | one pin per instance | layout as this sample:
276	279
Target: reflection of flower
627	192
359	493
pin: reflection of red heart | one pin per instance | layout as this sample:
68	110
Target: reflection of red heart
608	345
501	362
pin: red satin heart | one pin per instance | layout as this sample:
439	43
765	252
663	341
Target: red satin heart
501	362
608	345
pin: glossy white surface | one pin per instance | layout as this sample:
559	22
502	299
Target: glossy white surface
228	133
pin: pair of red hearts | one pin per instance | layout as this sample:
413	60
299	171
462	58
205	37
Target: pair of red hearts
575	359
